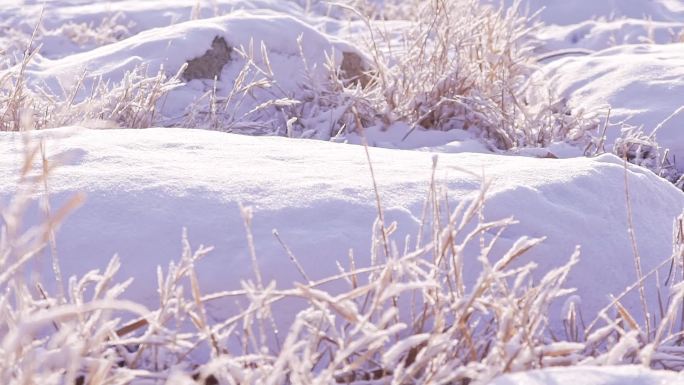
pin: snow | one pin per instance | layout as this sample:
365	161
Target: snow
401	136
144	186
168	48
638	82
564	12
593	35
165	40
625	55
608	375
132	17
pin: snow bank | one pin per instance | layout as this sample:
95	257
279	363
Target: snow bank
607	375
144	186
640	83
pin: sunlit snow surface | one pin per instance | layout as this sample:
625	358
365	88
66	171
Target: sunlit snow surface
643	84
612	63
144	186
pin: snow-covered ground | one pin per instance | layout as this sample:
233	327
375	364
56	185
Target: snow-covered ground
319	196
640	84
79	26
620	60
272	65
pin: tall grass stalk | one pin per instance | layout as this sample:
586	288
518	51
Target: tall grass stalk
423	315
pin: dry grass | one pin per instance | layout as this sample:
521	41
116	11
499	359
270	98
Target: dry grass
456	65
638	147
414	316
131	103
459	64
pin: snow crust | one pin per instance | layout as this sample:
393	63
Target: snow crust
144	186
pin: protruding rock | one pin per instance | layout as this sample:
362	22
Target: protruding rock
209	65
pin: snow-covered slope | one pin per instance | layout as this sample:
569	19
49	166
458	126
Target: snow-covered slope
642	84
174	45
77	26
168	48
144	186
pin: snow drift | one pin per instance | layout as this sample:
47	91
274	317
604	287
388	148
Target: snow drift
174	45
280	53
639	83
70	27
144	186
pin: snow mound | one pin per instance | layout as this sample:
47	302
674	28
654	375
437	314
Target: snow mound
639	82
597	25
169	48
144	186
607	375
174	45
70	27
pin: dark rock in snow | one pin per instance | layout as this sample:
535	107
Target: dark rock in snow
209	65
